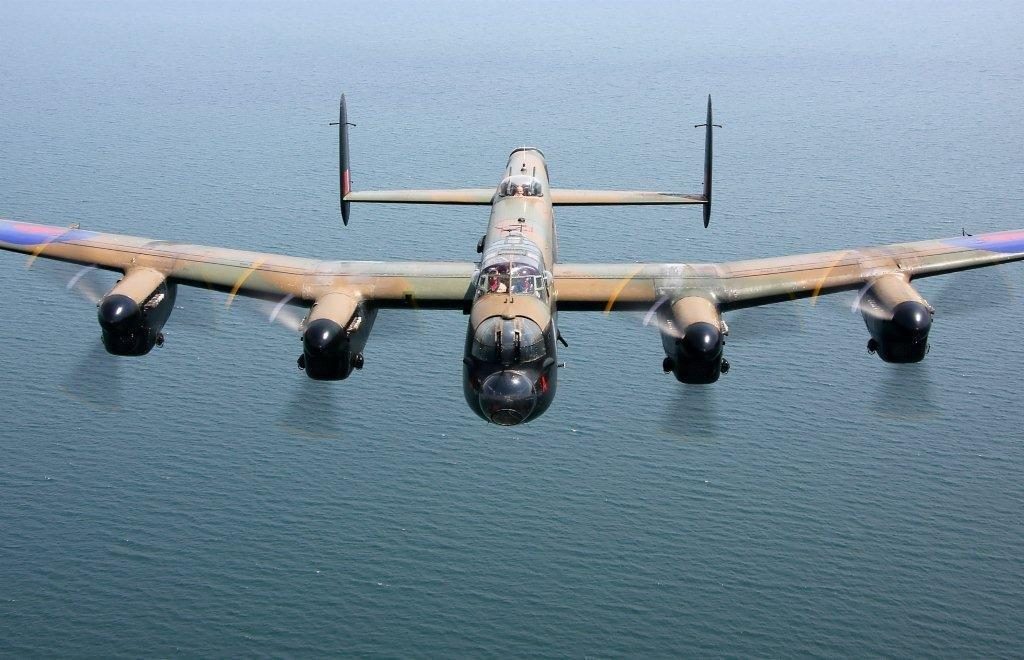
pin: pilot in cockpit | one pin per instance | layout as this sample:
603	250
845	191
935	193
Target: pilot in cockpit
523	280
522	285
497	281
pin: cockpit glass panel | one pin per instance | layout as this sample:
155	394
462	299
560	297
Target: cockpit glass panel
524	279
503	340
520	186
517	278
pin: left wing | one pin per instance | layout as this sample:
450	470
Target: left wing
575	197
470	196
253	274
738	284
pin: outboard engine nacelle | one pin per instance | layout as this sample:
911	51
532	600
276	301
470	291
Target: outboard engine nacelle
898	319
135	311
336	332
693	335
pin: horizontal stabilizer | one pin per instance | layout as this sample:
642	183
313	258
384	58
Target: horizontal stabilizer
480	196
570	197
559	197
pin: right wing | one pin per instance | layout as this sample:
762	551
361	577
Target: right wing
253	274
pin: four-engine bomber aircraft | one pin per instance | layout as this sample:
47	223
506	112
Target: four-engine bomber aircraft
513	294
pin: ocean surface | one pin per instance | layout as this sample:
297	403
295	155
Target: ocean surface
209	500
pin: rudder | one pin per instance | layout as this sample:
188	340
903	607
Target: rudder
345	177
708	148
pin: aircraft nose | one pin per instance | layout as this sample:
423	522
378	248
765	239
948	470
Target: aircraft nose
913	319
701	339
507	398
117	310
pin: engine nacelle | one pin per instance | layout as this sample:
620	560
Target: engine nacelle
134	312
898	319
693	335
336	332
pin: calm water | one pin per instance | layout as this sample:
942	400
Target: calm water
209	500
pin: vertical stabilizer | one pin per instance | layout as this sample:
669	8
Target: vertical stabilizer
345	183
708	139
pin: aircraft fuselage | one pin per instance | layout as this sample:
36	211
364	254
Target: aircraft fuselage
510	366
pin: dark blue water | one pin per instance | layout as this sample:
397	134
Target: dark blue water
209	500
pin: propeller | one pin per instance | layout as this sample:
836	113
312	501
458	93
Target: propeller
764	322
88	283
286	312
656	316
192	308
290	312
961	294
861	304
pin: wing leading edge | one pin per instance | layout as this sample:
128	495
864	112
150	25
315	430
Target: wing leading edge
253	274
605	287
738	284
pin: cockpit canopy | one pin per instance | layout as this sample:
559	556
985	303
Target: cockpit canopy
517	278
514	264
520	185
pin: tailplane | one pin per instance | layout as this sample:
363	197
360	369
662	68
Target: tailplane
486	196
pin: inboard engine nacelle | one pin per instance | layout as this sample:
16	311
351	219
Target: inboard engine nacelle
335	333
898	319
134	312
693	335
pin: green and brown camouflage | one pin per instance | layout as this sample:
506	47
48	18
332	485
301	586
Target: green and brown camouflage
513	294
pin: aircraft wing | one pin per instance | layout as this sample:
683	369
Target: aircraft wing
576	197
738	284
253	274
474	196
